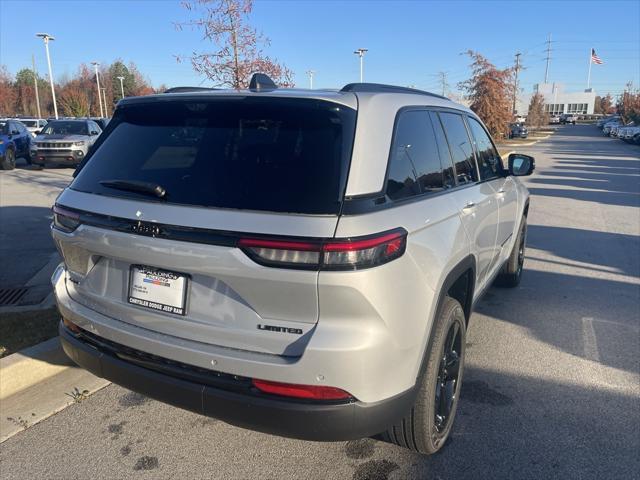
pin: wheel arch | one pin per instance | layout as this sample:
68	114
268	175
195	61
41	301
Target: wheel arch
462	274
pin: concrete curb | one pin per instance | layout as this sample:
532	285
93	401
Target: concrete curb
38	382
32	365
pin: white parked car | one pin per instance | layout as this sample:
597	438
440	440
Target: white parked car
34	125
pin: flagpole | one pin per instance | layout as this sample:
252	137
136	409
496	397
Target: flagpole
590	62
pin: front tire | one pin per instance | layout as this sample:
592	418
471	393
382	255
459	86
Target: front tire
511	272
427	426
9	162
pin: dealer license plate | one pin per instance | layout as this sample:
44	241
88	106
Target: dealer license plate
158	289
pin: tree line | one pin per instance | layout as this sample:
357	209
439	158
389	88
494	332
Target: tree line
76	95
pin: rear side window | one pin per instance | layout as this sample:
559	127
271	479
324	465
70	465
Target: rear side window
460	147
489	161
414	166
448	175
280	155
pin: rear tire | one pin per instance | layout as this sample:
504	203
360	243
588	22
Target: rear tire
427	426
9	161
511	272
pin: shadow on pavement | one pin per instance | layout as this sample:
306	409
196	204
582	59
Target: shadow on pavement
25	243
514	427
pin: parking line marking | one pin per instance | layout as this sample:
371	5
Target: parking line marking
589	340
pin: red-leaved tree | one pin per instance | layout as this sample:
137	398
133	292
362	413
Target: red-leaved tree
239	54
489	90
8	93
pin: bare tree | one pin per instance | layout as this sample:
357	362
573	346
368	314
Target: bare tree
239	54
489	90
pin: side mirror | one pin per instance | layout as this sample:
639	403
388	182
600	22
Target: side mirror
15	132
521	165
37	132
93	132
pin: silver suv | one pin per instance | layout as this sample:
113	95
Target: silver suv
298	262
64	142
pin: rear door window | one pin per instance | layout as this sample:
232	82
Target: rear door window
268	154
460	147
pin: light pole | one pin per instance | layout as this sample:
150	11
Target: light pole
95	64
104	99
46	37
360	52
35	84
311	73
121	85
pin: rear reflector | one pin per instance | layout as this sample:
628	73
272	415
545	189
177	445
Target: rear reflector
333	254
71	326
313	392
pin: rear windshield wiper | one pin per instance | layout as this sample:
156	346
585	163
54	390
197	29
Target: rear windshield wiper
148	188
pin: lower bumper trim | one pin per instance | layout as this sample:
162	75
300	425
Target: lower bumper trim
264	413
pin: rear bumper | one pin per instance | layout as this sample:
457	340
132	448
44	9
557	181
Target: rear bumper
252	410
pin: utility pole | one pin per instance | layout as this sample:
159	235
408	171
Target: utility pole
104	99
311	73
121	85
515	81
95	64
360	52
546	69
46	38
35	84
443	82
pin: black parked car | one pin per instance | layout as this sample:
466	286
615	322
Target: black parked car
517	130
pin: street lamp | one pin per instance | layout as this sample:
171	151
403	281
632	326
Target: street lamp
311	73
95	64
360	52
104	99
121	85
46	37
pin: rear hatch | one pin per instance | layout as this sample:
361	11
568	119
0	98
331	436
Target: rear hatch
154	217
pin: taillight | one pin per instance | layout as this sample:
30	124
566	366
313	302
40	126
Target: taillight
65	220
312	392
332	254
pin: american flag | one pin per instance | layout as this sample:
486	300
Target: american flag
595	58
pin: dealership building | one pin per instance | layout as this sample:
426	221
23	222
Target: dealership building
557	101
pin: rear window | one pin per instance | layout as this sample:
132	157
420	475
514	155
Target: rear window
271	154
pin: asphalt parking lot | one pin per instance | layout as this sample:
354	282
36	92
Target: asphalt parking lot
26	197
552	384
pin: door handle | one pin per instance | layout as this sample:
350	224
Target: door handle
470	204
501	190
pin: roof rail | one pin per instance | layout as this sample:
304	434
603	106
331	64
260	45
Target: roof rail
188	89
261	83
382	88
